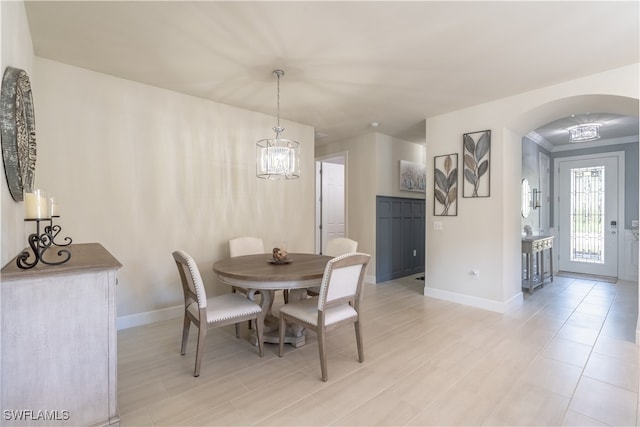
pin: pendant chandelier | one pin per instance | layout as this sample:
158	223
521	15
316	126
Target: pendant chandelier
584	132
278	158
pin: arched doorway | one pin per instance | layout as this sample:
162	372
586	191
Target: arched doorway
627	246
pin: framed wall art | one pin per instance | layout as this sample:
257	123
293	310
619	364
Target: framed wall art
412	176
477	164
445	185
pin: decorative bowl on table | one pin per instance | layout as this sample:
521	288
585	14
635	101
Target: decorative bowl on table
280	256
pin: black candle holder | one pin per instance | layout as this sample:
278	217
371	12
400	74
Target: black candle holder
40	243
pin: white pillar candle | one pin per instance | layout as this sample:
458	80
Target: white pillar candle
54	208
36	205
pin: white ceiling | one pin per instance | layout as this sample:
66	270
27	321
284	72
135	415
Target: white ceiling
347	64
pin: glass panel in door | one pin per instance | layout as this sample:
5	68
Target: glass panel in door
587	211
586	229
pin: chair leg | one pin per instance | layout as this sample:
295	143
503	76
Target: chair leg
202	334
282	327
358	328
237	328
251	296
259	332
234	290
185	334
323	354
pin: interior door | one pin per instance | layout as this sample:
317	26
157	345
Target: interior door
333	206
588	216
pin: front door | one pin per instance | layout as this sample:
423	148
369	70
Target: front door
588	216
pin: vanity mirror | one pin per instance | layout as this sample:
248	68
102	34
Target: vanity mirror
525	204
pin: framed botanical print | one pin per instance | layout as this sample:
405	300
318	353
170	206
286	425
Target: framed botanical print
445	185
476	160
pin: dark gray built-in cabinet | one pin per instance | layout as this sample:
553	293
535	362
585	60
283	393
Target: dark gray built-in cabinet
400	242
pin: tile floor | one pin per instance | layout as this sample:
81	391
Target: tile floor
565	357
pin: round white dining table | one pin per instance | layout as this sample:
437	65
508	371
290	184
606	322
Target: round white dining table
261	273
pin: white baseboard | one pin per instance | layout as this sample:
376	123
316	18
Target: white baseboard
483	303
147	317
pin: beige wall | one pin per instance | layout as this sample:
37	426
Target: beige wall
389	152
359	189
486	233
16	51
146	171
373	168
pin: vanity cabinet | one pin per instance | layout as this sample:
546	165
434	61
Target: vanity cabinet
58	350
533	248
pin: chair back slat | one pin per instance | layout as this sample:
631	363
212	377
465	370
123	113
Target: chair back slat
245	246
339	246
192	284
343	279
344	282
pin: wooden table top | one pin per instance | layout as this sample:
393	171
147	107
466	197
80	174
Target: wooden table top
84	256
257	268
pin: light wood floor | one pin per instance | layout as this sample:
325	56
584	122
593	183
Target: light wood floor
566	357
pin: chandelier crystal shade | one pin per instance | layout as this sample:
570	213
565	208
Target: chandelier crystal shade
278	158
585	132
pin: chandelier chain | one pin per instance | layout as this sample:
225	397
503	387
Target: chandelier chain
278	73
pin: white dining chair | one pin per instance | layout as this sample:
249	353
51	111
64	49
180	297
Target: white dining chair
203	312
338	304
335	246
339	246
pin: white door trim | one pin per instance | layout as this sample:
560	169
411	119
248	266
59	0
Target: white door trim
544	184
619	155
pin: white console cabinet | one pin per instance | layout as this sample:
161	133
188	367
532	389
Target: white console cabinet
58	351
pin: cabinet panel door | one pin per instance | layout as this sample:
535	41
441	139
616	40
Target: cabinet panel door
399	237
57	346
384	239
